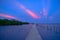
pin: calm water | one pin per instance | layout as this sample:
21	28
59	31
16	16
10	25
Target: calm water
20	32
14	32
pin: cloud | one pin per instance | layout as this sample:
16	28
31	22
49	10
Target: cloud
7	16
32	14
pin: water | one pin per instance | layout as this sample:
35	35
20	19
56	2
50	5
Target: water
21	32
14	32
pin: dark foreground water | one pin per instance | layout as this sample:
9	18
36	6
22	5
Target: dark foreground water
14	32
20	32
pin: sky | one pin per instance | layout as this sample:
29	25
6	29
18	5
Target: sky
33	11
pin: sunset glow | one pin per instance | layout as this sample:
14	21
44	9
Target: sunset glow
32	14
7	16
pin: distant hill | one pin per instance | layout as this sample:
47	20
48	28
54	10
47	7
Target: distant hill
11	22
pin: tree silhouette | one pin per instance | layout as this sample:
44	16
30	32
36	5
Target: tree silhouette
11	22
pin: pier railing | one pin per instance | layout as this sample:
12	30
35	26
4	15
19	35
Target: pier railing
50	27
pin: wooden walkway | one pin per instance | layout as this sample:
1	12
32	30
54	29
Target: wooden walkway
33	34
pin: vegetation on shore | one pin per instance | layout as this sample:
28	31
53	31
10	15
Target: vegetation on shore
11	22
